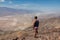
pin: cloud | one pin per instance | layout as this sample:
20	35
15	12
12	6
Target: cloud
26	6
10	2
33	7
2	0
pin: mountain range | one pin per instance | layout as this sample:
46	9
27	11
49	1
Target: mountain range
10	11
4	11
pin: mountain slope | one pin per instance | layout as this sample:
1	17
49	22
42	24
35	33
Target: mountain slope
48	30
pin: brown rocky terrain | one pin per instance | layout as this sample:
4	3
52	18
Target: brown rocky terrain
49	29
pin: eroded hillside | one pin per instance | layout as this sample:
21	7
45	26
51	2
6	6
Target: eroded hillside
49	29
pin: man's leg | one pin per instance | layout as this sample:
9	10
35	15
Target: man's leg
36	31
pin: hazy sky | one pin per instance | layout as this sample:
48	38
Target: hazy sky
45	5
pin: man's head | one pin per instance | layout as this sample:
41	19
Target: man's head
35	17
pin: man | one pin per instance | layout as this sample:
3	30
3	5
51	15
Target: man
35	26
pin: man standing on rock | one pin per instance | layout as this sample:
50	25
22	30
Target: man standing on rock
35	26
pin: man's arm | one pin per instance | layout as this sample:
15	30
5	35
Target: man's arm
33	23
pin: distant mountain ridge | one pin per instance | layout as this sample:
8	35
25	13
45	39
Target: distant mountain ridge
4	11
10	11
